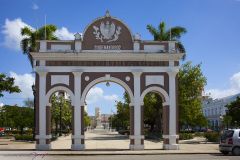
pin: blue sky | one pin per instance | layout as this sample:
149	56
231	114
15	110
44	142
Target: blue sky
212	38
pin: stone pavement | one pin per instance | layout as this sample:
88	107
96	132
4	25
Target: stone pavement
109	143
101	141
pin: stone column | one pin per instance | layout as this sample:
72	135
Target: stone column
142	124
137	114
172	136
42	137
131	126
48	124
77	135
165	126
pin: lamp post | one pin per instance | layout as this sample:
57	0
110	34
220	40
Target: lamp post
34	109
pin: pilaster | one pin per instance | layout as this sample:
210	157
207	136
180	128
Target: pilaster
172	137
138	137
77	135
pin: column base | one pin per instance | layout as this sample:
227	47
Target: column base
43	147
136	147
77	147
171	146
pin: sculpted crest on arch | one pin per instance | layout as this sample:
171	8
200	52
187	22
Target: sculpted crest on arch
107	33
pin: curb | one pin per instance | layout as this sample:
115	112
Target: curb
90	153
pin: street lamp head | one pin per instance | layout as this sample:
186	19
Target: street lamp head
33	88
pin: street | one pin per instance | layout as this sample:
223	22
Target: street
121	157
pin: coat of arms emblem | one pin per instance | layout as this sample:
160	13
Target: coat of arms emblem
107	32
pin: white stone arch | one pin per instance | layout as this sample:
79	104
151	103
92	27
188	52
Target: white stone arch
59	88
159	90
104	79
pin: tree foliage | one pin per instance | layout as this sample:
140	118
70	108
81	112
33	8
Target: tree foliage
191	83
153	111
16	117
232	117
87	119
163	34
29	42
121	120
7	85
61	105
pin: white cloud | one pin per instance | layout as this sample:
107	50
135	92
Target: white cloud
12	33
113	97
1	104
35	6
96	94
64	34
234	88
24	82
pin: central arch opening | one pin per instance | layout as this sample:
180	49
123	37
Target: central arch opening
153	120
107	117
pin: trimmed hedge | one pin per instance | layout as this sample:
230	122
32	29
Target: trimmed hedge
153	135
16	132
199	134
185	136
24	137
212	136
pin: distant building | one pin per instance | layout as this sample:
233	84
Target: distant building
214	108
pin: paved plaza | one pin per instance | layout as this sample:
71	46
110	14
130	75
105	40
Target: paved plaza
102	143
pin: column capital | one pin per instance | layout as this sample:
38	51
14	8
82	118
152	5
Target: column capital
77	73
49	104
173	71
42	73
165	104
136	73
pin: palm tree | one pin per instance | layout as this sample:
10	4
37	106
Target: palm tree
29	44
172	34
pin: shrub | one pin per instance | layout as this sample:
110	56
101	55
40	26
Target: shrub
185	136
153	135
54	138
124	132
24	137
16	132
186	131
212	136
199	134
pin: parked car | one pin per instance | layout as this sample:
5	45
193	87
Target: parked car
2	134
230	142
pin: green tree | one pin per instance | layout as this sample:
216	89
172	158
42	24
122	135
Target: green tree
191	83
29	43
234	112
153	111
7	85
87	119
17	117
227	119
121	120
60	105
163	34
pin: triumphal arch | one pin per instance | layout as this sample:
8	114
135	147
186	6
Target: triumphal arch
107	51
